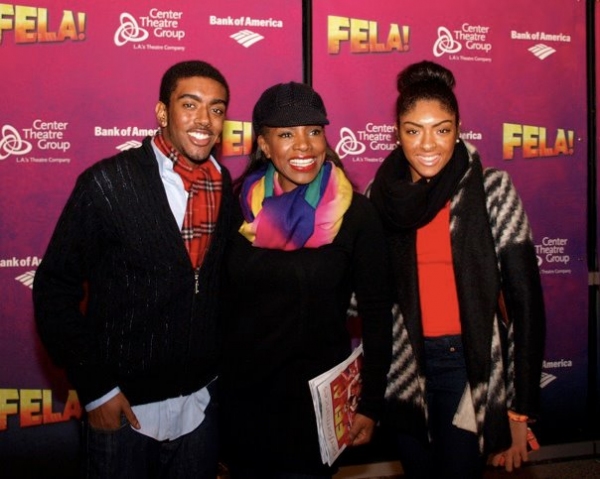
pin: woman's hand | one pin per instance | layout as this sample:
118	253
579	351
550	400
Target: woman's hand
361	430
517	453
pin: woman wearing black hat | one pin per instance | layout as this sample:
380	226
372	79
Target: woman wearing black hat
303	243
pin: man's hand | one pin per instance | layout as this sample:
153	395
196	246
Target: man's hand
108	415
361	430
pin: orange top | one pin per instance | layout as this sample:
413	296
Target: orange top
437	287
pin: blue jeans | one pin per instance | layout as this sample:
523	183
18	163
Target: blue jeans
127	454
453	452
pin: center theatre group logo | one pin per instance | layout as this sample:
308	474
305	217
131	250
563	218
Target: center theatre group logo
349	144
129	30
11	143
162	25
471	40
445	43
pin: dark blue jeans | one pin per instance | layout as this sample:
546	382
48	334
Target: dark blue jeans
127	454
453	452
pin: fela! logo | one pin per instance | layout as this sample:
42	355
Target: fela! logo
32	24
535	141
364	36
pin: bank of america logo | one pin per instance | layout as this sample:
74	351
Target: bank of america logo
546	379
26	279
129	144
542	51
247	38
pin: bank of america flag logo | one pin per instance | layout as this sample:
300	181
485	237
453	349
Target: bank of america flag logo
247	38
546	379
129	144
542	51
26	279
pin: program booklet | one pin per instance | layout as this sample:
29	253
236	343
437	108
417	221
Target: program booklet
335	395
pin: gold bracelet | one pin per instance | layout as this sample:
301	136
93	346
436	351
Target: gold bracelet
513	416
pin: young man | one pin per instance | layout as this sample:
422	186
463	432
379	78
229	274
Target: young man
140	243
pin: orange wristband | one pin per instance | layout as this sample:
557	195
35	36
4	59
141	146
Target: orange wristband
532	440
513	416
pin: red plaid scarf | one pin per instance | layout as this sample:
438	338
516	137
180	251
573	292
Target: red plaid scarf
204	186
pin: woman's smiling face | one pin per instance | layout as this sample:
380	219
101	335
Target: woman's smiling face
427	135
297	153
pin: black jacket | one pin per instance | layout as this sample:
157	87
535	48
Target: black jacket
142	327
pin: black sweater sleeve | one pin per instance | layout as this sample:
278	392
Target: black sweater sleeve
370	277
59	293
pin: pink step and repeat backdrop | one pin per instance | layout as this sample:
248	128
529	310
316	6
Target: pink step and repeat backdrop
79	82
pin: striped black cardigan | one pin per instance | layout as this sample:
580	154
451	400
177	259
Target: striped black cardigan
492	251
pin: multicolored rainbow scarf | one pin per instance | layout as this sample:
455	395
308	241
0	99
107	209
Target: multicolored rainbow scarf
309	216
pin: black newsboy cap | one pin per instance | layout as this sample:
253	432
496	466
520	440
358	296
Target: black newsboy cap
288	104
